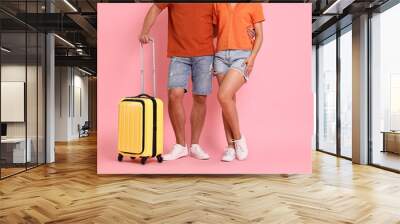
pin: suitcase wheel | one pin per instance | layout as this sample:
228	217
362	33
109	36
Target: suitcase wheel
143	160
120	157
132	157
160	159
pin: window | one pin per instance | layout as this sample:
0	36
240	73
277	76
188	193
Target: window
346	74
385	89
327	95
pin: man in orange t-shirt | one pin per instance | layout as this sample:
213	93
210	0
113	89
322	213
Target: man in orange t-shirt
191	52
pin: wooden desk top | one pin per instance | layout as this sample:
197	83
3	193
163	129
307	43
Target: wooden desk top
391	132
13	140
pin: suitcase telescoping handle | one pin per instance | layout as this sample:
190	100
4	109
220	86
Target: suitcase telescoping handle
142	70
144	95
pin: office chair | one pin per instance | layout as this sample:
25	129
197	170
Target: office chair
84	130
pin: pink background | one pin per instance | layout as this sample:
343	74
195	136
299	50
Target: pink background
275	106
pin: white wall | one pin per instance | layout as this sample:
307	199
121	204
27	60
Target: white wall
33	127
14	73
17	73
71	93
62	82
79	117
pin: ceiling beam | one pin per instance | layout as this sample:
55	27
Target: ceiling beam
83	61
337	7
84	24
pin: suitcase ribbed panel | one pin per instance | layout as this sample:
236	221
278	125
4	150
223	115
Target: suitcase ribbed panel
130	127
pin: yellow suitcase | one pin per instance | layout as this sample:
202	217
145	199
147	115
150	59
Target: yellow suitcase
141	124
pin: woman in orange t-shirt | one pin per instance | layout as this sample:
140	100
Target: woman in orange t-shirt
233	63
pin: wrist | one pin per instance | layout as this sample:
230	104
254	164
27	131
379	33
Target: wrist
252	57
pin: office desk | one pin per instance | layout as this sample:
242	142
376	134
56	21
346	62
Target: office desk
391	141
15	148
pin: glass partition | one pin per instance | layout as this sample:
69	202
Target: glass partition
14	155
23	90
32	96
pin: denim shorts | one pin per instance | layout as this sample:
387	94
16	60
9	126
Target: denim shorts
231	59
198	68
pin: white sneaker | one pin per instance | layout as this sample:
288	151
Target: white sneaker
229	155
178	151
241	148
197	152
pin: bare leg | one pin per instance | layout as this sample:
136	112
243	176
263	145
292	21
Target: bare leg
228	131
232	82
177	114
197	117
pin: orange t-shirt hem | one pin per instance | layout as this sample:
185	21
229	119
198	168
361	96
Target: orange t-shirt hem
189	54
